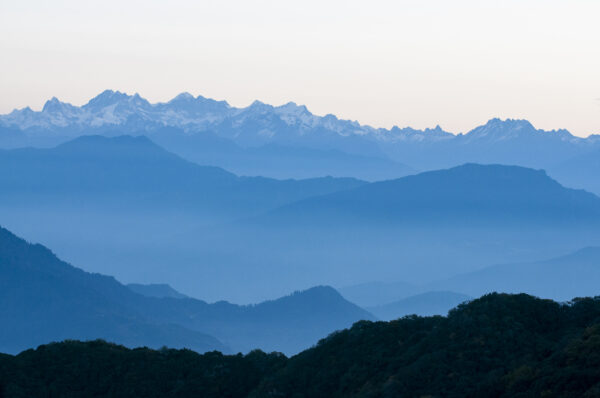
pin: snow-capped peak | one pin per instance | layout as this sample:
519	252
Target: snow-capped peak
106	98
196	114
52	105
501	130
185	96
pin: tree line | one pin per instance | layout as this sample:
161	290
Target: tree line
499	345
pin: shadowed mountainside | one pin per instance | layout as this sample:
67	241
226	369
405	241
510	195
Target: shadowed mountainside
133	172
496	346
128	208
159	290
43	299
471	194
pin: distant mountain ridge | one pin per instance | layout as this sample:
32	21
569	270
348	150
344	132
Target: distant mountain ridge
114	108
424	304
422	228
194	114
44	299
214	133
470	194
111	196
127	207
89	165
576	274
581	171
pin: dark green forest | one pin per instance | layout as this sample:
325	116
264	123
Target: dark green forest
497	346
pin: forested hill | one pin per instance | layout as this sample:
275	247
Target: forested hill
496	346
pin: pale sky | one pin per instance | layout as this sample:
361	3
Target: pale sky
404	62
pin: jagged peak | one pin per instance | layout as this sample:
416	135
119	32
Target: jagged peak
206	100
139	100
499	128
185	96
514	123
53	104
410	130
257	105
107	97
292	107
26	109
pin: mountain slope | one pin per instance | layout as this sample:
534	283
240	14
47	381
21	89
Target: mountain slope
159	290
425	227
424	304
155	219
561	278
471	194
123	203
279	161
510	142
579	172
288	324
43	299
137	168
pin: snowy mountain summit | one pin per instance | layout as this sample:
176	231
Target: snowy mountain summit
208	131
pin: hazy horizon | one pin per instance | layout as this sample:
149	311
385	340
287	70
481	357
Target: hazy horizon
407	63
483	122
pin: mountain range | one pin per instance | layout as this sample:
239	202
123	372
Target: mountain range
136	169
288	141
467	195
431	225
126	207
117	197
43	299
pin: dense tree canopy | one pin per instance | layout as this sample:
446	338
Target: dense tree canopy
497	346
100	369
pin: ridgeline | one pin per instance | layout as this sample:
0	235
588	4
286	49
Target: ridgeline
497	346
